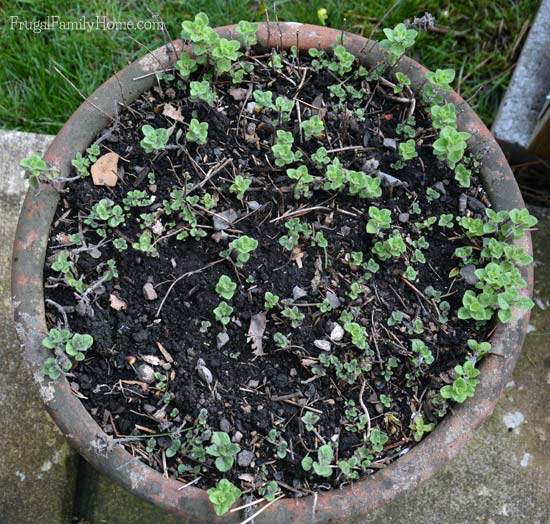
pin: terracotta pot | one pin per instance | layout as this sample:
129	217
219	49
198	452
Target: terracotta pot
346	505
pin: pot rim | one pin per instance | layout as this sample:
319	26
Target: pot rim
99	449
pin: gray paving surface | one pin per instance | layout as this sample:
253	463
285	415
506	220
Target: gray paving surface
530	83
37	467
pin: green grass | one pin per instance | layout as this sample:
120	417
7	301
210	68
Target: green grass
479	38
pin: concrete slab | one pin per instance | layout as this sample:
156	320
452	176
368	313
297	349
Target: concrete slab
99	501
530	83
37	467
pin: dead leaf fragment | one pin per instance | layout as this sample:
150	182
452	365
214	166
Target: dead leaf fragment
297	255
172	112
224	219
256	332
104	171
116	302
165	353
238	93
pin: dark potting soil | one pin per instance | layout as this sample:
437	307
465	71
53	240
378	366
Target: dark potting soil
255	390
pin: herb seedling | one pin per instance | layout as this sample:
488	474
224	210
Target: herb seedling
223	496
394	246
344	61
378	439
325	456
240	186
51	368
282	149
443	116
274	437
303	179
364	186
154	139
358	334
269	490
419	427
35	166
313	127
424	353
197	132
450	145
402	81
438	81
281	341
225	287
223	53
321	158
242	247
105	212
462	175
410	273
201	91
379	219
293	314
247	32
397	41
186	65
263	99
464	384
310	419
145	244
407	150
283	106
61	341
270	300
224	450
335	176
137	198
222	313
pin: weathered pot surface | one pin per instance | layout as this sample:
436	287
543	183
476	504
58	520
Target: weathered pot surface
345	505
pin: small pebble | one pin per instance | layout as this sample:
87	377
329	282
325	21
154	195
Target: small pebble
225	425
390	143
389	180
403	217
244	458
298	293
253	205
337	333
149	291
237	437
250	107
440	188
513	419
222	339
468	274
204	373
370	165
95	253
462	203
323	345
475	205
145	373
333	300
